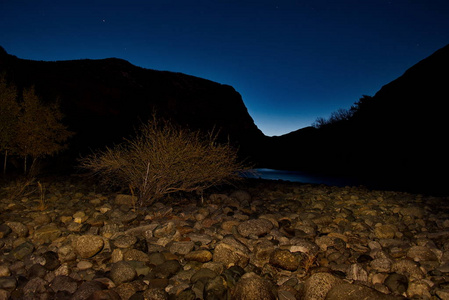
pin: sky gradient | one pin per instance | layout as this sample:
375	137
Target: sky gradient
292	61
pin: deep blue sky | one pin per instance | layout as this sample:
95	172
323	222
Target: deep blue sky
292	61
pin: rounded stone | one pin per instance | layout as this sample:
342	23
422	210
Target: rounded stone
47	233
253	287
88	245
167	269
231	252
84	265
18	227
349	291
257	227
385	231
182	247
122	271
421	253
199	255
319	284
125	241
137	255
4	271
64	283
397	283
284	259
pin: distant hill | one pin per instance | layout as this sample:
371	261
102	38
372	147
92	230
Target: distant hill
397	138
105	100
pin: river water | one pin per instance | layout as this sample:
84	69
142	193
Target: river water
298	176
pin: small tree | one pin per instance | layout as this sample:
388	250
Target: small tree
40	131
9	113
341	115
164	159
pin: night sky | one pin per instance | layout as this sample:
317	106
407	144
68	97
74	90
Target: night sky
292	61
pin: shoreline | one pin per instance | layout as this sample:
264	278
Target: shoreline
260	239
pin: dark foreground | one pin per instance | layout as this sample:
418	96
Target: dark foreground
260	240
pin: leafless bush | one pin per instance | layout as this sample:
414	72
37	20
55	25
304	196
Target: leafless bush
164	159
337	116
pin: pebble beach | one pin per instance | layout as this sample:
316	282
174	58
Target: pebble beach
259	239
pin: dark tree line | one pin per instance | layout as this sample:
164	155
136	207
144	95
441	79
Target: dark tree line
29	128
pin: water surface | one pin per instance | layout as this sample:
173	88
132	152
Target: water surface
299	176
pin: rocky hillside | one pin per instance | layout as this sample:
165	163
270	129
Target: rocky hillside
396	137
105	100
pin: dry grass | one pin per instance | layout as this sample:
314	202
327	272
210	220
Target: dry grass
164	159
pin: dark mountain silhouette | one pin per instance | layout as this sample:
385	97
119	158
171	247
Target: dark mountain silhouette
396	138
106	100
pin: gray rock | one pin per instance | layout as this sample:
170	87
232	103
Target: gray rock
156	258
257	227
4	270
4	295
357	272
243	197
104	295
303	246
64	283
37	270
348	291
253	287
199	256
396	283
182	247
262	252
125	241
88	245
215	288
186	295
8	283
421	253
4	230
318	285
418	289
204	239
414	211
408	268
167	269
202	274
284	259
19	228
34	285
134	254
21	251
381	264
109	230
386	231
121	272
232	275
231	252
166	230
140	267
47	233
155	294
51	260
128	200
86	289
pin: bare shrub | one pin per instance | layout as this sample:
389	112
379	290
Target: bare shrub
164	159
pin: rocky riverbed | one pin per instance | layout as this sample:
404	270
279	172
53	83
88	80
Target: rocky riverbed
260	240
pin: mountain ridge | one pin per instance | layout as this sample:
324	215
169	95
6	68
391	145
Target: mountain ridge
112	97
395	137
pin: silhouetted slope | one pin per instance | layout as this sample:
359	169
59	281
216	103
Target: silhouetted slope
396	138
104	100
